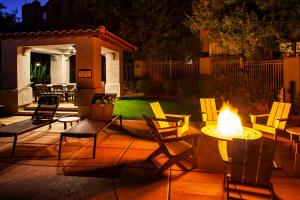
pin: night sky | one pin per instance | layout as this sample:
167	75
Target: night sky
13	4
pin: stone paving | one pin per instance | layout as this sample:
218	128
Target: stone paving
119	170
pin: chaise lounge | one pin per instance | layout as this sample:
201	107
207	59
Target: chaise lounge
100	118
43	115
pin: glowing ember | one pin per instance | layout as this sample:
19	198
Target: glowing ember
229	123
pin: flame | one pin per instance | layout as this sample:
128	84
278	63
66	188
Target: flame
229	123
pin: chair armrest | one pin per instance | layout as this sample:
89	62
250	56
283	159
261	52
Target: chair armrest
192	136
166	120
171	128
277	122
253	117
176	116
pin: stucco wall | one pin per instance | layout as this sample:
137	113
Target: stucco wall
60	69
88	56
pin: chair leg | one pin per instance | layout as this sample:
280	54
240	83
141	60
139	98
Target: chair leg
153	154
121	122
95	144
165	166
14	146
272	191
181	165
227	186
59	149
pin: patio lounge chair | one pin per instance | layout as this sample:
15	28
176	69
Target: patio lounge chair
251	164
43	115
209	111
181	121
276	119
100	118
175	149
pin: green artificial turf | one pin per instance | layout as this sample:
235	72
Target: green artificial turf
135	108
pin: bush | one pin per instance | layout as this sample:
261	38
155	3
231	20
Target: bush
144	85
169	86
206	86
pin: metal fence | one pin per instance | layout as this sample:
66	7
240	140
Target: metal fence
165	70
265	77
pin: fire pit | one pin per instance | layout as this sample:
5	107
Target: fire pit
229	126
248	133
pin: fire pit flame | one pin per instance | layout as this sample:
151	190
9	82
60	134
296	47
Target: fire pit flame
229	123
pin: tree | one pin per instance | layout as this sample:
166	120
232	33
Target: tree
245	26
155	26
7	20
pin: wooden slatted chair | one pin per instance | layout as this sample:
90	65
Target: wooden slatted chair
277	119
251	164
181	121
175	149
209	111
43	115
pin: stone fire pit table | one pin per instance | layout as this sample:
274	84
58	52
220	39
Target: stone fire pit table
212	131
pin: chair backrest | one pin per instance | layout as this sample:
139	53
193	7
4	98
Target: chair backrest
155	133
47	106
70	87
208	106
58	88
279	110
252	161
159	113
39	88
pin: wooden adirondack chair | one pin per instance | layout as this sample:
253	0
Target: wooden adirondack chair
209	111
251	164
175	149
276	119
181	121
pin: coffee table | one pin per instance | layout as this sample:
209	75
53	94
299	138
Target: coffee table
293	131
70	120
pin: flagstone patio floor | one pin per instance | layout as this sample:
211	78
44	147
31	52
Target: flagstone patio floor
119	172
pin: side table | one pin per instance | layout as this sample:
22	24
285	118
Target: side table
70	120
293	131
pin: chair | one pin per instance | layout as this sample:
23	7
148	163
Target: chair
59	90
100	118
70	92
43	115
40	89
175	149
276	119
251	164
209	111
181	121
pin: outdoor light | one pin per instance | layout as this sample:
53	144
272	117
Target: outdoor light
37	64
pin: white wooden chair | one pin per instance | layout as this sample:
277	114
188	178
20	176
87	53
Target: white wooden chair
276	119
209	111
175	149
166	120
251	164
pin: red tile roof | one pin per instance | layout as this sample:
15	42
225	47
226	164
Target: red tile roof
100	32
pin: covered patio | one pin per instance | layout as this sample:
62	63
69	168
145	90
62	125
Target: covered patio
91	59
119	170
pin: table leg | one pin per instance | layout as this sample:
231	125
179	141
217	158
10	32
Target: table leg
95	144
65	125
14	146
291	141
59	149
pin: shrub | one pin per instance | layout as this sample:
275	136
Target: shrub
144	85
169	86
206	86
